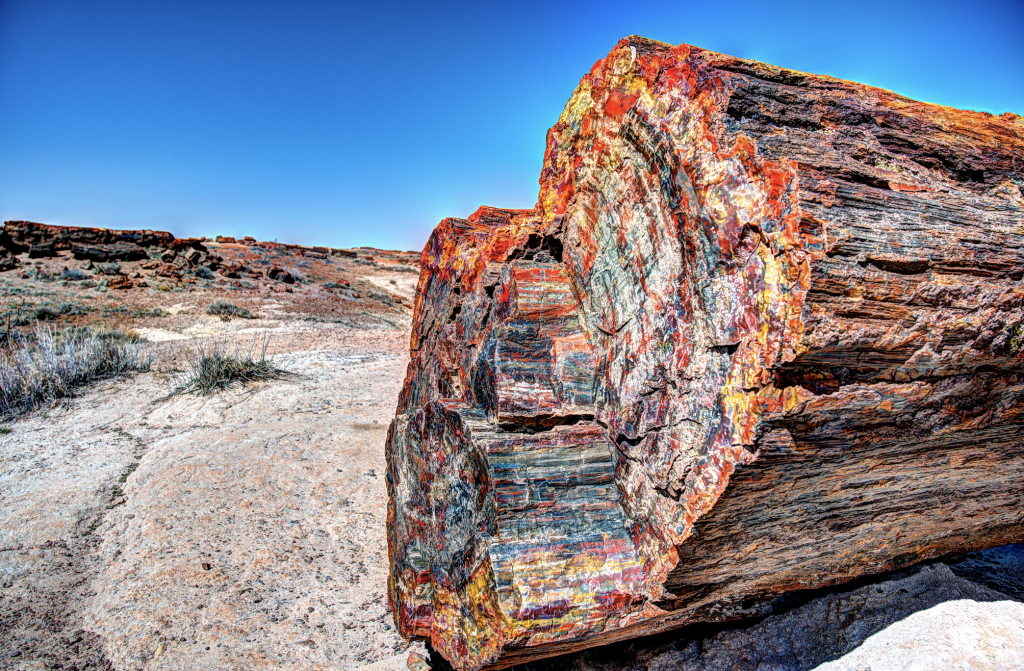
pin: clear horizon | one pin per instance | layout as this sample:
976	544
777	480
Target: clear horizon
325	124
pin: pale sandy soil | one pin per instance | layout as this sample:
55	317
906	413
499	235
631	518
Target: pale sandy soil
251	534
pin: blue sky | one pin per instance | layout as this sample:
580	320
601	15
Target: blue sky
366	123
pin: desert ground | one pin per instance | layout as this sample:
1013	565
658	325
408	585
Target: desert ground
240	530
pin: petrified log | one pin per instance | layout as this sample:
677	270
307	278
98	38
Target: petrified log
103	253
183	244
278	274
42	250
119	282
762	332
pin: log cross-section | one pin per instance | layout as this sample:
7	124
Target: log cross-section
763	331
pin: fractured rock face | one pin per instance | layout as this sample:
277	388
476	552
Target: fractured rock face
537	363
763	331
521	508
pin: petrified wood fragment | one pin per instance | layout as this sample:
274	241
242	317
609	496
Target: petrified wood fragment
41	250
119	251
762	332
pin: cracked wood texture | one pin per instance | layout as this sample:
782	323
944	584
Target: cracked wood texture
762	332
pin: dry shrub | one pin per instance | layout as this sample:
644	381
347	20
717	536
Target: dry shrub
50	365
74	275
214	366
112	268
226	311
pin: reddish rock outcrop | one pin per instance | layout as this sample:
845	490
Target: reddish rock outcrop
764	331
103	245
24	234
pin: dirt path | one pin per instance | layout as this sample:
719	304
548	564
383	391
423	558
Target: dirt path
248	531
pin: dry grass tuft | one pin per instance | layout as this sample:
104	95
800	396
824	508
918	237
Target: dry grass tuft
214	367
50	365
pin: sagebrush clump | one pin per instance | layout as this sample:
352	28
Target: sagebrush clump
74	275
112	268
226	311
51	312
50	365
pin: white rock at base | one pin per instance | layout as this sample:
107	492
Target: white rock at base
952	636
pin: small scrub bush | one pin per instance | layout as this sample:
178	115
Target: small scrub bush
380	297
41	275
216	367
204	273
122	310
226	311
111	268
73	309
16	317
50	365
129	336
73	275
46	313
297	274
51	312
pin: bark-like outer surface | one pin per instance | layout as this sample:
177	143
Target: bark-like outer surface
802	304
